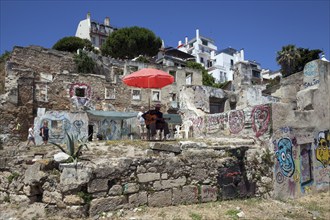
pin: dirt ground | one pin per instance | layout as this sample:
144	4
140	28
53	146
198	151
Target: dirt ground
316	206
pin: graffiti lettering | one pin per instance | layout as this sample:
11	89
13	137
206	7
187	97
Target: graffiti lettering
314	82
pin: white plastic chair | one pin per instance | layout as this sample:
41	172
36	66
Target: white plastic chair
183	130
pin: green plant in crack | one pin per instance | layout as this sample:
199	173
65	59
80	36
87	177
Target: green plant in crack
12	177
85	196
74	146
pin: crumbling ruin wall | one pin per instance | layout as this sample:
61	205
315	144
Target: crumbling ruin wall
171	175
301	139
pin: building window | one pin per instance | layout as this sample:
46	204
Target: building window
173	73
231	63
155	95
136	94
173	97
93	40
221	76
80	92
102	41
201	60
225	76
209	63
204	42
188	78
110	93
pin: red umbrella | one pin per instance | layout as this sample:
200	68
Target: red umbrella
148	78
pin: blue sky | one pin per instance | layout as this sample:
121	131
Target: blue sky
260	27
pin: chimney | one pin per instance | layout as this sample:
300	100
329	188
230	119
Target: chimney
163	44
197	34
107	21
180	42
186	40
242	54
89	16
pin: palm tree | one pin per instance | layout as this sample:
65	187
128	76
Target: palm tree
288	58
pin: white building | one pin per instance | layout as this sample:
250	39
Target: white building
94	31
218	63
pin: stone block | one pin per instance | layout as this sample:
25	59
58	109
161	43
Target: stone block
115	190
106	204
160	199
166	184
19	199
148	177
131	188
98	185
73	200
305	99
51	197
34	175
138	199
73	179
209	193
166	147
186	195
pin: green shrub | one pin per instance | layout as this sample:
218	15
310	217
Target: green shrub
85	64
72	44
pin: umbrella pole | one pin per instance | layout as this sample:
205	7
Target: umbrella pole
149	93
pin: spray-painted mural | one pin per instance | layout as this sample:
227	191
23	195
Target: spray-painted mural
236	121
60	122
260	119
80	94
300	168
254	121
284	156
322	156
322	148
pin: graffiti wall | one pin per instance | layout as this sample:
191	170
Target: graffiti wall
311	73
301	161
253	120
60	122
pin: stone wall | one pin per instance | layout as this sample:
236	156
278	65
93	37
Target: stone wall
251	121
37	77
301	139
172	174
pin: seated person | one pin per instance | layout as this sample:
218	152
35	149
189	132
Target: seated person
154	120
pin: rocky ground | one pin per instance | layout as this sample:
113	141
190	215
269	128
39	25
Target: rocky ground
309	207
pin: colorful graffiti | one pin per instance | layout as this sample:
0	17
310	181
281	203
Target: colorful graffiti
305	164
260	119
284	157
80	93
216	122
236	121
323	148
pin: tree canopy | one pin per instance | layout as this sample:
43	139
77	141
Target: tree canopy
72	44
130	42
293	59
